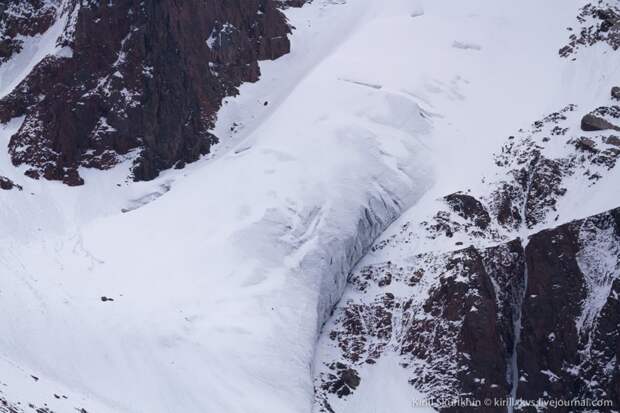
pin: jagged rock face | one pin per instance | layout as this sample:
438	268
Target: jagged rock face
451	319
440	315
460	314
23	18
537	177
469	208
134	78
574	281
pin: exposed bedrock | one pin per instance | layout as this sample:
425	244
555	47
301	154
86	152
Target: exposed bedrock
131	78
570	342
535	323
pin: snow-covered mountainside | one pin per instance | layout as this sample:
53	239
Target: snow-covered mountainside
204	289
505	284
289	206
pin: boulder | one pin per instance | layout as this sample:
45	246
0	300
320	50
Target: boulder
6	184
591	122
469	208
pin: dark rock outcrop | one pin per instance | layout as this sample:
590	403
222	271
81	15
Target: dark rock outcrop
469	208
7	184
599	22
292	3
592	122
23	18
454	341
550	310
132	79
461	316
571	320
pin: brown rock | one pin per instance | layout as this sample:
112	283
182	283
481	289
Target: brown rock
563	352
592	122
140	77
469	208
7	184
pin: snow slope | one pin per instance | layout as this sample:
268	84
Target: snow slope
486	70
220	275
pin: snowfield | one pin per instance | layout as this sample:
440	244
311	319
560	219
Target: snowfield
220	284
205	290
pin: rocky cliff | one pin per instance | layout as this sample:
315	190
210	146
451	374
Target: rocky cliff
127	79
534	323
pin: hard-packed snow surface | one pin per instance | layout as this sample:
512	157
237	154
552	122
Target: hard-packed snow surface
207	293
205	289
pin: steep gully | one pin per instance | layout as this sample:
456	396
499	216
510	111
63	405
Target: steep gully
513	368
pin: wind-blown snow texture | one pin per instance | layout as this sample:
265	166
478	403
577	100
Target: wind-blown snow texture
205	289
